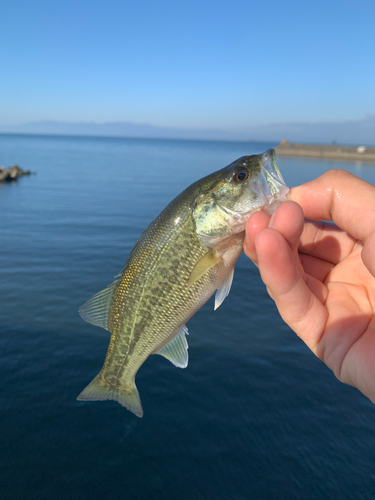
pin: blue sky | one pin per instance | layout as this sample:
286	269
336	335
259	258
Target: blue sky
187	64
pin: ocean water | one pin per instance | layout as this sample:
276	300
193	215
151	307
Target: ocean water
254	416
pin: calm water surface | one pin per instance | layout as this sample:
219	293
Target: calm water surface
254	416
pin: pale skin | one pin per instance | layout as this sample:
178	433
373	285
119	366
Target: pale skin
321	276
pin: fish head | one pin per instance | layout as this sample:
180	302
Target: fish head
232	194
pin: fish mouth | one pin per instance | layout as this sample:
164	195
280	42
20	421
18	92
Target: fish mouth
270	183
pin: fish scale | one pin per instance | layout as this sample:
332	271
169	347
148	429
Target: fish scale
185	254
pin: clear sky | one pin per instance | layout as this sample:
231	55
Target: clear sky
225	64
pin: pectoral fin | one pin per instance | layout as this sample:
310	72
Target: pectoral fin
224	289
176	349
203	265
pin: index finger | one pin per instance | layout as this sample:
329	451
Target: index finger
341	197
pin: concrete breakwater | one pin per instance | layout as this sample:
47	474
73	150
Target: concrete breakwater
12	173
329	152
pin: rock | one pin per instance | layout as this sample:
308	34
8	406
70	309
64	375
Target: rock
12	173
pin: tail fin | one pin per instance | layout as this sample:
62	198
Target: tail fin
99	390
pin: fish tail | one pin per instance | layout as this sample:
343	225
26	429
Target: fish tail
99	390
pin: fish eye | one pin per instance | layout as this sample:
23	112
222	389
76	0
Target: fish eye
240	175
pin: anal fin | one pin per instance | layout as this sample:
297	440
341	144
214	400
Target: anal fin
176	350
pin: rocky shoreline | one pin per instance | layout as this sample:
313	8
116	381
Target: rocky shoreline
12	173
329	152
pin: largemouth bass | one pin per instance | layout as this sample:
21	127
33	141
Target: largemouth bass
186	254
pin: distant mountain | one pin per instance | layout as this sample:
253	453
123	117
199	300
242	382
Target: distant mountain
346	132
119	129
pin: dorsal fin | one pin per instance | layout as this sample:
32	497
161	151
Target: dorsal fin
96	310
176	349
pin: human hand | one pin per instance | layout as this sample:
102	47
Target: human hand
321	276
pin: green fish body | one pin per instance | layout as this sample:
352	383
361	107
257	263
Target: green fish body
186	254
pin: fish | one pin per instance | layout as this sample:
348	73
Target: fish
183	257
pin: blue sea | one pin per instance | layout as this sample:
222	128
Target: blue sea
254	416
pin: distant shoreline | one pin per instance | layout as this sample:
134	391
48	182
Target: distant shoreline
328	152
